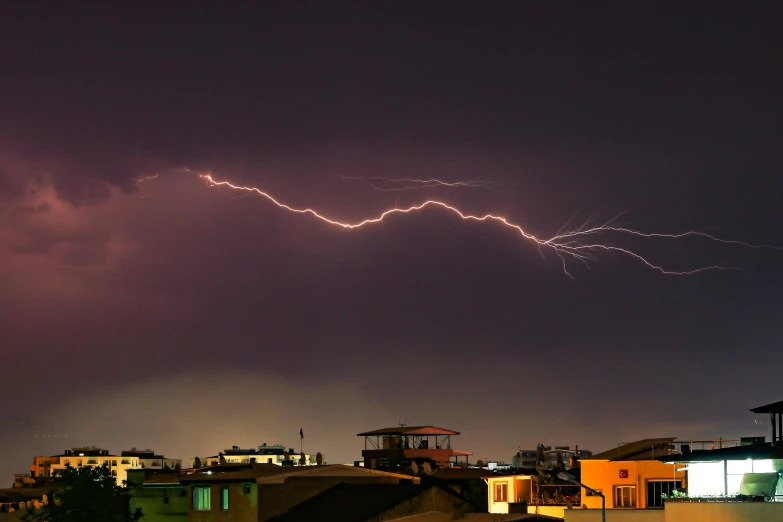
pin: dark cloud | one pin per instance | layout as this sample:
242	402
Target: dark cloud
191	317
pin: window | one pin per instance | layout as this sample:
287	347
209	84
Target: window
165	501
113	462
501	492
269	461
657	488
625	496
247	489
79	463
201	499
67	462
224	499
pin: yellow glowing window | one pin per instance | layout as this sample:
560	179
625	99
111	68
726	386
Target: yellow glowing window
501	492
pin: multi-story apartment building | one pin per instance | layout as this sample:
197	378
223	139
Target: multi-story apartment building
49	466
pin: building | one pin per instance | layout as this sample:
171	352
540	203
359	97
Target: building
42	466
159	494
507	490
752	468
549	457
276	454
260	492
631	476
148	460
92	456
399	446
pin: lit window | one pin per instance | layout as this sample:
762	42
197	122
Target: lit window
201	499
501	492
625	496
224	499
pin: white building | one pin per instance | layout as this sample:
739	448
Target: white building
148	460
274	454
92	456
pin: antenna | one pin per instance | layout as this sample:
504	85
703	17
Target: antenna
402	424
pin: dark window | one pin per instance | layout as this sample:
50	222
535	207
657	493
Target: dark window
657	488
224	499
166	501
247	489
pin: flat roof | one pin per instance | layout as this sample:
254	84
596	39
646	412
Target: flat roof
409	430
639	450
764	451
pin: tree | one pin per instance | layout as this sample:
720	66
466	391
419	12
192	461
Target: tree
86	495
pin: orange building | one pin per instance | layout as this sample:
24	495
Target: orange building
389	446
630	476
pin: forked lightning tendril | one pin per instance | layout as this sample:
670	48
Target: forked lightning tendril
566	245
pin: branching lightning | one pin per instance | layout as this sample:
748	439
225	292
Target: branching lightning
572	244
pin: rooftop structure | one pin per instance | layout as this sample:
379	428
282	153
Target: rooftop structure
393	447
265	454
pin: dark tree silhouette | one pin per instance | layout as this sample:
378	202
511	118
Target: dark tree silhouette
86	495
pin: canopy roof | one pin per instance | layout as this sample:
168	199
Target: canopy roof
775	407
410	430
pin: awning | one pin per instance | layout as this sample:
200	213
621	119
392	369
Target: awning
759	484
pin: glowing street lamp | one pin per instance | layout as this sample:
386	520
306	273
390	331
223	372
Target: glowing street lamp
570	478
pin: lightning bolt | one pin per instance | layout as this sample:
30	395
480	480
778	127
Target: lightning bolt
566	245
414	184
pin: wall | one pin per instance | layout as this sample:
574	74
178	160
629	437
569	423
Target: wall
724	512
550	511
604	475
240	506
519	490
615	515
154	508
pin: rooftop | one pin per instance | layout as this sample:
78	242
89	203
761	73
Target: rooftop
775	407
365	500
644	449
752	451
410	430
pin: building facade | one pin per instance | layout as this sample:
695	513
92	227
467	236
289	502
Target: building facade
148	460
276	454
630	476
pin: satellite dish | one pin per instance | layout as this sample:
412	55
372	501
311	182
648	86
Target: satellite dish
319	459
222	460
415	468
197	462
427	468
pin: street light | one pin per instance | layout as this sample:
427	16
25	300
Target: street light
570	478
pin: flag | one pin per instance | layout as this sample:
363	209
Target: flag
301	433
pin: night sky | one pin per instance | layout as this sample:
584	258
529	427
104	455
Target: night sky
187	318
